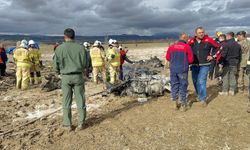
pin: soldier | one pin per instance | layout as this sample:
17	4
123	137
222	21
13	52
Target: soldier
98	61
70	62
23	63
113	56
245	47
36	63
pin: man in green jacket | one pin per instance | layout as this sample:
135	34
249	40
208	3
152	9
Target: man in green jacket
69	62
245	47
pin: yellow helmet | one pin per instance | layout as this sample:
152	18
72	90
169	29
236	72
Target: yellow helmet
218	33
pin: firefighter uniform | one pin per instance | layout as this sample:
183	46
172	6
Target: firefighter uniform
97	58
113	55
35	67
23	64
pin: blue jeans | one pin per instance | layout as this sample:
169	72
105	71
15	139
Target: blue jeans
179	84
199	76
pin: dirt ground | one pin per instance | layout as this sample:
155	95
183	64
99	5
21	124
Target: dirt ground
123	122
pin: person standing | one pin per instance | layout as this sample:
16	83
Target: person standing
123	58
3	60
113	56
201	46
245	47
36	63
214	66
23	62
180	56
231	57
69	62
98	62
89	65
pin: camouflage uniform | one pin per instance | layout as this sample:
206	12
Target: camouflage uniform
245	46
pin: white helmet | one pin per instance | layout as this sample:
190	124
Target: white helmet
31	42
85	44
120	47
97	43
111	41
24	44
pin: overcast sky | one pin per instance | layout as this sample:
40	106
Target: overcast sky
102	17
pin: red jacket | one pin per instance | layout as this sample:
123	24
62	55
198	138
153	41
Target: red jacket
218	54
180	56
1	59
123	55
202	50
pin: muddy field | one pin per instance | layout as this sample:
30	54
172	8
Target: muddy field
121	122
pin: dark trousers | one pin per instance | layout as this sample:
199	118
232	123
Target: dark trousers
121	73
229	78
179	84
2	69
214	70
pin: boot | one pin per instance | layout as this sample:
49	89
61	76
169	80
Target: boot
32	81
175	105
183	108
232	93
223	93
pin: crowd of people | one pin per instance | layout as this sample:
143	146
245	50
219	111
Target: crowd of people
225	58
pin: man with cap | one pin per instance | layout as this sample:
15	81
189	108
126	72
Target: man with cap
23	62
70	62
98	61
36	63
245	47
113	56
231	57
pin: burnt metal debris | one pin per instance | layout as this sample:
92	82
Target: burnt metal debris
52	82
142	79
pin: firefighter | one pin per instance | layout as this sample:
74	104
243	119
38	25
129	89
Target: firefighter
113	56
98	61
36	63
23	63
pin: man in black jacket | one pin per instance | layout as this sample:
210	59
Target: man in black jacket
231	57
201	45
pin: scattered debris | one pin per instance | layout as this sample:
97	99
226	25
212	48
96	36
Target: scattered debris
52	82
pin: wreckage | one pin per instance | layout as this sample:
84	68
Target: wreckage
142	79
52	82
